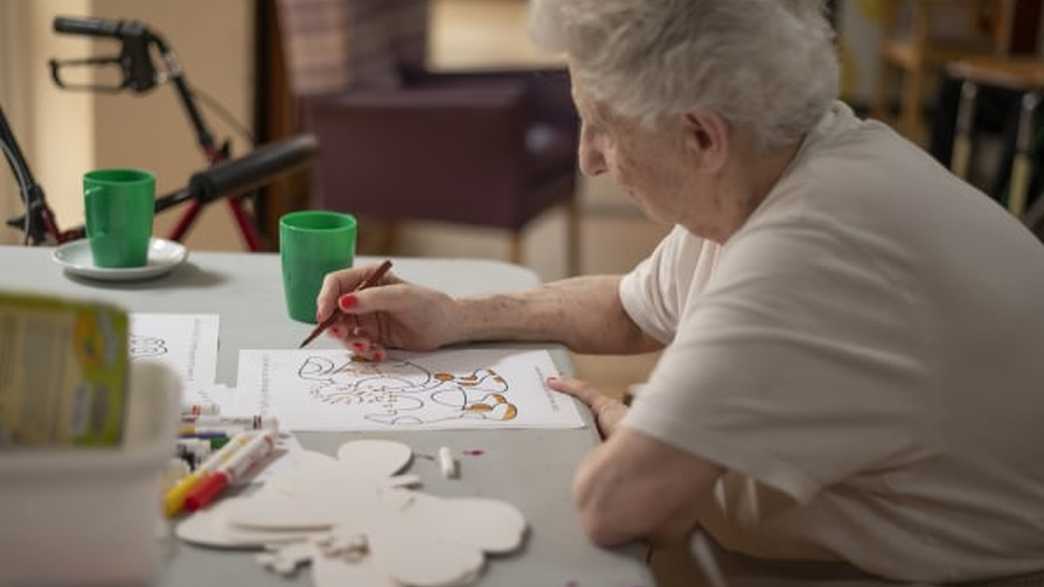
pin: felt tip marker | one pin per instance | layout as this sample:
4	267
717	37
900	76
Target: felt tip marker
191	410
175	498
232	471
245	422
207	433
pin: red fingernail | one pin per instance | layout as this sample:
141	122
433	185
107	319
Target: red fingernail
336	331
358	346
347	301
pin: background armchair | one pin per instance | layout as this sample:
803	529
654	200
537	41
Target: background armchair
399	142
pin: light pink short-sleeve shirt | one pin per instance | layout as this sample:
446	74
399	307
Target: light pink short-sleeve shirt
865	356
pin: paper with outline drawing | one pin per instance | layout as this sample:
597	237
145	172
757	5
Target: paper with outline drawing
187	343
218	394
323	390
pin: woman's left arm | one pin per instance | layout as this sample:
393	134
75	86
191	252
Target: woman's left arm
634	486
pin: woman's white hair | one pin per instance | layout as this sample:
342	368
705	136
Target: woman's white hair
765	65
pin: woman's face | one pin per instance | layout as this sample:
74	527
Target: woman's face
647	163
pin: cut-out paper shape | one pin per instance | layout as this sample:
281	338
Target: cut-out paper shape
278	512
355	522
420	560
375	458
330	571
286	559
211	528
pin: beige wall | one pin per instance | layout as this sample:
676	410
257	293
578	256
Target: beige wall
13	101
67	133
62	134
477	33
213	41
51	127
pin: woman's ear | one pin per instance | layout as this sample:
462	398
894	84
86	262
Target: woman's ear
707	137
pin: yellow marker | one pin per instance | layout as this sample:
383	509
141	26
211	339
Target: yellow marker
175	498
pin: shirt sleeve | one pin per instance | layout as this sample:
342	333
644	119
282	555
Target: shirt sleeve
650	293
799	365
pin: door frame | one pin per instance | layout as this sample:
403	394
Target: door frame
15	92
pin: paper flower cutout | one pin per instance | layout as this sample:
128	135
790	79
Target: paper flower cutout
355	521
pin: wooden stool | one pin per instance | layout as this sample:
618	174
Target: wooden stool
1023	75
918	55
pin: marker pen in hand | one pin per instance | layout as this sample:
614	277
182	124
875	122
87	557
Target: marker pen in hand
231	472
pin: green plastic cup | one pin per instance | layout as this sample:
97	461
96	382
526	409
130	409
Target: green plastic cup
313	243
119	205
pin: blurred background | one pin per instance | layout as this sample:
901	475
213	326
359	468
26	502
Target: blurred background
449	134
262	59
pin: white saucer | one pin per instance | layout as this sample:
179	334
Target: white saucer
76	258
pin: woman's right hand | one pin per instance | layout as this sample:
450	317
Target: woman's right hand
391	314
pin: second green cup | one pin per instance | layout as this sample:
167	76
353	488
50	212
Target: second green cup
313	243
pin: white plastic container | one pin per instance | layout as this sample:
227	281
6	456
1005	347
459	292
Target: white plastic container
90	516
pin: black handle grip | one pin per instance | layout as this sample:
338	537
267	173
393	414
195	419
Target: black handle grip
254	170
91	27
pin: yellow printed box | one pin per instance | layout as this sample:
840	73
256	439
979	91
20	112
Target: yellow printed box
63	372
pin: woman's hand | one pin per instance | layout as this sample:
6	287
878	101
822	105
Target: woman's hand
392	313
607	411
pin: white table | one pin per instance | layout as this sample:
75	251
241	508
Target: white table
532	469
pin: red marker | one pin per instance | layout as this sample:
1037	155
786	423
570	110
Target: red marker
232	471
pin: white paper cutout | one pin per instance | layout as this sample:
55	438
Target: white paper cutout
447	464
351	521
187	343
286	559
273	511
210	528
450	389
418	560
375	458
330	571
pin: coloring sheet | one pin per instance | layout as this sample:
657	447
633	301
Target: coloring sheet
223	396
187	343
453	389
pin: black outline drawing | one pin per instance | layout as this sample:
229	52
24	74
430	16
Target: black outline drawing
397	389
146	347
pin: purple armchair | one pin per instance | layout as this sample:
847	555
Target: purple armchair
398	142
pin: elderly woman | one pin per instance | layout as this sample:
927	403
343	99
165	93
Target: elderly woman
852	335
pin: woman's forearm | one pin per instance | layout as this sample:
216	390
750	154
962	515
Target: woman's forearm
583	313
